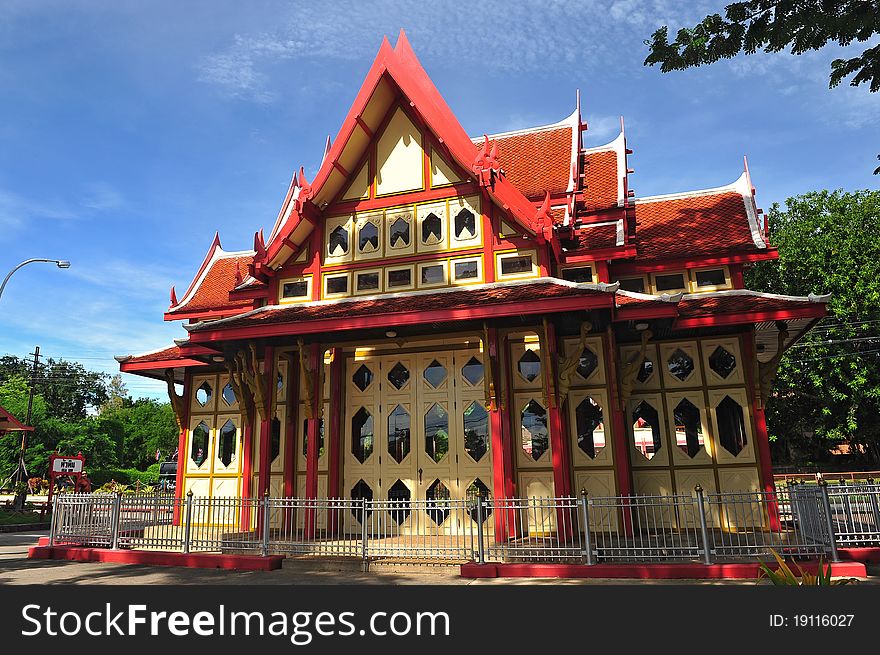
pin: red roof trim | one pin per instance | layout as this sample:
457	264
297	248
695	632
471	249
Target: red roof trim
9	423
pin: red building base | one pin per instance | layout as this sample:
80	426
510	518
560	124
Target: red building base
733	571
152	558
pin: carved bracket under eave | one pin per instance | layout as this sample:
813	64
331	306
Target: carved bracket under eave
550	388
629	369
568	365
307	381
178	402
766	371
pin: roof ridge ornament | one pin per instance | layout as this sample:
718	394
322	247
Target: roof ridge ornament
486	165
173	297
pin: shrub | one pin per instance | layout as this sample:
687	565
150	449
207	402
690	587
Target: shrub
127	477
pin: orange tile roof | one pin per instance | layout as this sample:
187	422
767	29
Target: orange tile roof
600	179
536	162
213	291
700	225
165	355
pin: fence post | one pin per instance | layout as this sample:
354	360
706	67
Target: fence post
481	552
114	521
364	530
187	528
265	547
872	494
52	527
704	528
585	519
829	522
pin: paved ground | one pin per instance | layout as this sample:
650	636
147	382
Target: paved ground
15	568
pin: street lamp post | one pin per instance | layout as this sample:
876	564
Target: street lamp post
60	263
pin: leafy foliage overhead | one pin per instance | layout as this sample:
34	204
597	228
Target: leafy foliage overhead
773	26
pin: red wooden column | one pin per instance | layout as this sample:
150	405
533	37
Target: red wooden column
762	437
315	365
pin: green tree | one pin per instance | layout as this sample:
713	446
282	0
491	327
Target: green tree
775	25
828	387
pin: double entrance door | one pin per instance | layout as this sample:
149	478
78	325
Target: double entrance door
417	432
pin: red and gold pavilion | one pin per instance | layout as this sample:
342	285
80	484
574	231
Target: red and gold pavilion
439	316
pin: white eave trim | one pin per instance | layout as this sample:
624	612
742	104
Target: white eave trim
811	298
586	286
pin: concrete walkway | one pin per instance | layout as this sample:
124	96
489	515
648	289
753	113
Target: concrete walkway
16	568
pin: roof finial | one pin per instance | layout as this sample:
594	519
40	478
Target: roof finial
238	279
259	245
326	149
216	242
173	296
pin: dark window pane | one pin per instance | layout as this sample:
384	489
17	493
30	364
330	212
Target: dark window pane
398	434
338	284
731	425
713	278
199	450
362	435
432	228
398	375
433	274
305	438
295	289
275	439
368	237
367	281
338	241
476	431
646	371
587	364
674	281
722	361
436	432
400	278
646	430
634	284
688	428
227	440
435	373
680	364
512	265
477	489
580	274
399	495
533	427
361	491
399	236
362	377
437	497
465	224
590	427
529	365
465	270
472	371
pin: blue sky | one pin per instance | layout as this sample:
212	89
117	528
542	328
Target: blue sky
130	132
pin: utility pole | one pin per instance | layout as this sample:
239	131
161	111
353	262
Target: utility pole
22	472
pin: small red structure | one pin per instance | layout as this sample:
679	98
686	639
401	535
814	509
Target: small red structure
65	466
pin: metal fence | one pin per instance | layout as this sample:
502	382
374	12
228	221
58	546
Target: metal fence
800	521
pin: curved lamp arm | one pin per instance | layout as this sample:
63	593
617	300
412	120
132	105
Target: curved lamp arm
60	263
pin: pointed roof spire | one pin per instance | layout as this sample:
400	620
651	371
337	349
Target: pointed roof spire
173	296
